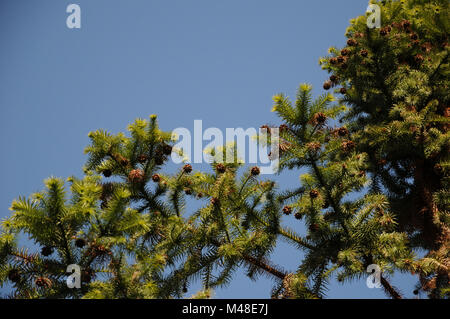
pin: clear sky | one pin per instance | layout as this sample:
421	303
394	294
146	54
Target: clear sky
220	61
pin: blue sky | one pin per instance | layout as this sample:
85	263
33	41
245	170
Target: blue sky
219	61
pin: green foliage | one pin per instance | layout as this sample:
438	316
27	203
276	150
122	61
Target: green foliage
373	189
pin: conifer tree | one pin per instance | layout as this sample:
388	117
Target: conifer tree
375	189
395	81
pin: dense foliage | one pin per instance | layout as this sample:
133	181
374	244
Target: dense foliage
374	191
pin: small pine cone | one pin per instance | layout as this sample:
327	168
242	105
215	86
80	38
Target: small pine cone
122	160
345	52
319	118
352	42
167	149
348	146
215	201
313	228
107	172
298	216
187	168
255	171
419	58
283	128
384	32
14	275
313	193
362	173
364	53
46	251
430	284
333	78
188	191
220	168
333	60
343	90
438	169
43	282
405	24
98	250
327	85
142	158
156	178
265	128
414	36
199	195
344	65
80	243
426	47
342	131
340	59
411	108
136	176
287	210
416	292
313	146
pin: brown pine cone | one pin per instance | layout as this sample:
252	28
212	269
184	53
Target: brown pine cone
287	210
167	149
142	158
345	52
283	128
136	176
43	282
348	146
266	129
187	168
313	146
327	85
319	118
352	42
255	171
313	193
342	131
220	168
